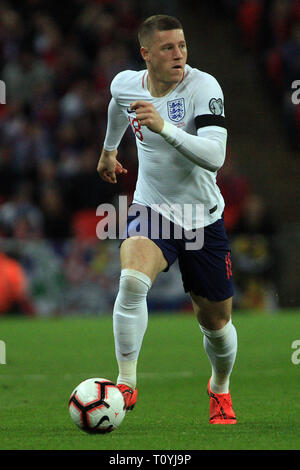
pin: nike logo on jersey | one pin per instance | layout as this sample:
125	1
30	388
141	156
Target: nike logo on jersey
130	110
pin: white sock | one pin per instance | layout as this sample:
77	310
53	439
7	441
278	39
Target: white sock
130	320
127	373
221	347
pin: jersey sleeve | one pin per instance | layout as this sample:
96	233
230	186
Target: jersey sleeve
116	85
117	124
117	121
206	150
209	104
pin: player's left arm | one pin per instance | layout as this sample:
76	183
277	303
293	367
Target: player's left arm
207	149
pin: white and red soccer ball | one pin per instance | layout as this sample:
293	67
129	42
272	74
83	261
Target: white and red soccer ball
97	406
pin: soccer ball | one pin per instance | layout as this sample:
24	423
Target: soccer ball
97	406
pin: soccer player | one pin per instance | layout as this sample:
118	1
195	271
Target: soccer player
177	115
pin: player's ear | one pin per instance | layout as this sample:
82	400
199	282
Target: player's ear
144	52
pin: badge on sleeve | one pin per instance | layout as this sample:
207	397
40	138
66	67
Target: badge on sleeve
216	106
176	109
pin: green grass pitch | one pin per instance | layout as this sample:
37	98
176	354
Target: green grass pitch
47	358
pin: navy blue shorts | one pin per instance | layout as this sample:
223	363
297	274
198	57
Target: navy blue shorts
207	271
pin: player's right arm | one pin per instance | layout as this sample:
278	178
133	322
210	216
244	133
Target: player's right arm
108	166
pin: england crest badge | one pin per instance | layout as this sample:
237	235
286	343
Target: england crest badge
176	109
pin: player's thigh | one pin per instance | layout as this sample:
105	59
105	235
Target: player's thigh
142	254
212	315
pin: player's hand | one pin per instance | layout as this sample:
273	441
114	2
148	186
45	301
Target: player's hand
109	167
147	115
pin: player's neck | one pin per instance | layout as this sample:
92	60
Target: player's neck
157	88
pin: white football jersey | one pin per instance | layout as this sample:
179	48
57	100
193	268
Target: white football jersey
165	177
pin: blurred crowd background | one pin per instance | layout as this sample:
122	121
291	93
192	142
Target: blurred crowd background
57	60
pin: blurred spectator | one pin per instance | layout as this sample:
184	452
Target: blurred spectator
274	24
12	31
235	189
249	15
72	104
8	175
26	140
14	295
20	217
290	71
86	189
255	218
56	219
23	75
47	38
254	256
271	31
291	56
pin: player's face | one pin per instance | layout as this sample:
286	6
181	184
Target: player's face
166	56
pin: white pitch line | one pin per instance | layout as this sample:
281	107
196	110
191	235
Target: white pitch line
146	375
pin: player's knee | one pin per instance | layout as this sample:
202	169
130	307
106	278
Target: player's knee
134	282
212	315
